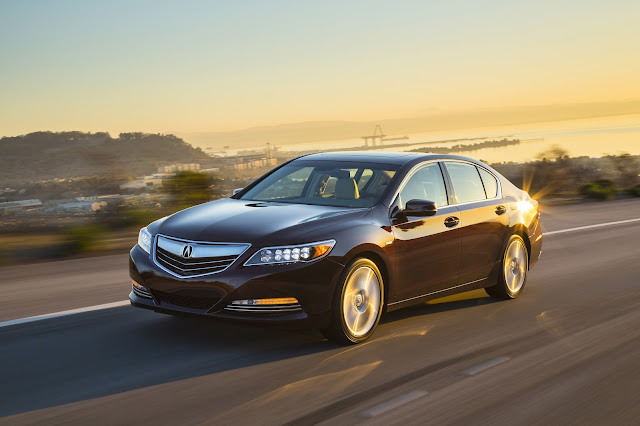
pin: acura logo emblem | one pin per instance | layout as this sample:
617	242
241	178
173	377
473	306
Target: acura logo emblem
187	251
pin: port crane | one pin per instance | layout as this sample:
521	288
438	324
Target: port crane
380	137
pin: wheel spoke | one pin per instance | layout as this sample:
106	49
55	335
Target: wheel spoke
355	324
361	302
370	284
516	251
515	266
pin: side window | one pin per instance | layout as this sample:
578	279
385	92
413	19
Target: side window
490	183
466	182
425	184
364	178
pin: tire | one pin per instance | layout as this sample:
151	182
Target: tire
514	269
357	303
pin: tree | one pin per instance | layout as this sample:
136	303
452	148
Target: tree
190	188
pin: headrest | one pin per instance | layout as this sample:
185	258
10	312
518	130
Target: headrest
340	173
346	189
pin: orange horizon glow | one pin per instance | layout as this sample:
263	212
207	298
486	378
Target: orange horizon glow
214	68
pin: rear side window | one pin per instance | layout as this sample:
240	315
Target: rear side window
490	183
467	184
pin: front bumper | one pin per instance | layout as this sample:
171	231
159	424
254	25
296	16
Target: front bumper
312	284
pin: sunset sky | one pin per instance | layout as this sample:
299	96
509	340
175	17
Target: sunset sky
199	66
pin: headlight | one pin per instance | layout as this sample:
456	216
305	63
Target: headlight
144	240
291	254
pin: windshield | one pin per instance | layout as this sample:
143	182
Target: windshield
327	183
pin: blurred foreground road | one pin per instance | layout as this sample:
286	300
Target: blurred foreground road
566	351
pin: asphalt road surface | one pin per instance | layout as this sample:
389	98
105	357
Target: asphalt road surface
566	351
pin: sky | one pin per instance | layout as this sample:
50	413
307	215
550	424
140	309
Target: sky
200	66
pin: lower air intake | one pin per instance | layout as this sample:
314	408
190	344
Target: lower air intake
192	302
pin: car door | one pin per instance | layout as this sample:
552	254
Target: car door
483	218
427	249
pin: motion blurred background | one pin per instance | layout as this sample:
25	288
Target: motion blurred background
113	114
116	113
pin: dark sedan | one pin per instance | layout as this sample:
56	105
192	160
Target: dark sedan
332	240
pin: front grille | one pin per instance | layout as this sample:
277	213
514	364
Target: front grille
193	302
191	266
201	259
264	309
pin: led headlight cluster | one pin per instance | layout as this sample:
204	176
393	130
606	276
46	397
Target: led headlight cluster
144	240
291	254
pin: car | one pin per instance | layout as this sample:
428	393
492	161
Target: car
333	240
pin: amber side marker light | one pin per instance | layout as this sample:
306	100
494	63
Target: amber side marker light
136	285
275	301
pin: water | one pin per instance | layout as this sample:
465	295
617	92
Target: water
593	137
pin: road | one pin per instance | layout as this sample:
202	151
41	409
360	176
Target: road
566	351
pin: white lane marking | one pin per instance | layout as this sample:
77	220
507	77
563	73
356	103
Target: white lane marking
597	225
394	403
483	366
64	313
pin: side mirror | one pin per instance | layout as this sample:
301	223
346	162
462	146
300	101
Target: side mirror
235	191
420	208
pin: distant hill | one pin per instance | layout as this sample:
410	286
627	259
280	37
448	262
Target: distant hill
48	155
428	121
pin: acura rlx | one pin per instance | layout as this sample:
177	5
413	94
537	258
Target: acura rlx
333	240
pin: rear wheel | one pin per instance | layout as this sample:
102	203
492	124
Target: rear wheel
357	305
513	270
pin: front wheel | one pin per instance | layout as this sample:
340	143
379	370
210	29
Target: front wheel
357	305
513	270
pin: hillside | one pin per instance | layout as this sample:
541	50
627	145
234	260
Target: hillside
47	155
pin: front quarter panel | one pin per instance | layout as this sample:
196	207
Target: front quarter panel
368	236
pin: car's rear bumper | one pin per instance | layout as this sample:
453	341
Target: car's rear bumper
312	284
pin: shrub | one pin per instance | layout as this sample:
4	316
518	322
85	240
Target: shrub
82	238
599	190
634	190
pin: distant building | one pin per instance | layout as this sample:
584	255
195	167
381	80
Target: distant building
211	170
145	182
174	168
74	207
111	197
250	163
21	205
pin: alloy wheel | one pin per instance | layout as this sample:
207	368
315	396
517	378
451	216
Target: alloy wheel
361	301
515	265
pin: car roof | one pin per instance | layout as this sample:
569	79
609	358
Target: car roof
382	157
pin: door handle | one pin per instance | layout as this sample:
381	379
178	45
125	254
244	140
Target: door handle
501	210
451	221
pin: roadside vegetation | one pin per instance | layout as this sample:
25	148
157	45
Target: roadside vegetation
555	175
37	236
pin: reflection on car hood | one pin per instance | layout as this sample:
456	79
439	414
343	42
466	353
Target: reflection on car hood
230	220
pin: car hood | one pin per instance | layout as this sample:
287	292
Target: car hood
231	220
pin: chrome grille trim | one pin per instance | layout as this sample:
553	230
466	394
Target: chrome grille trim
169	258
140	292
207	257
